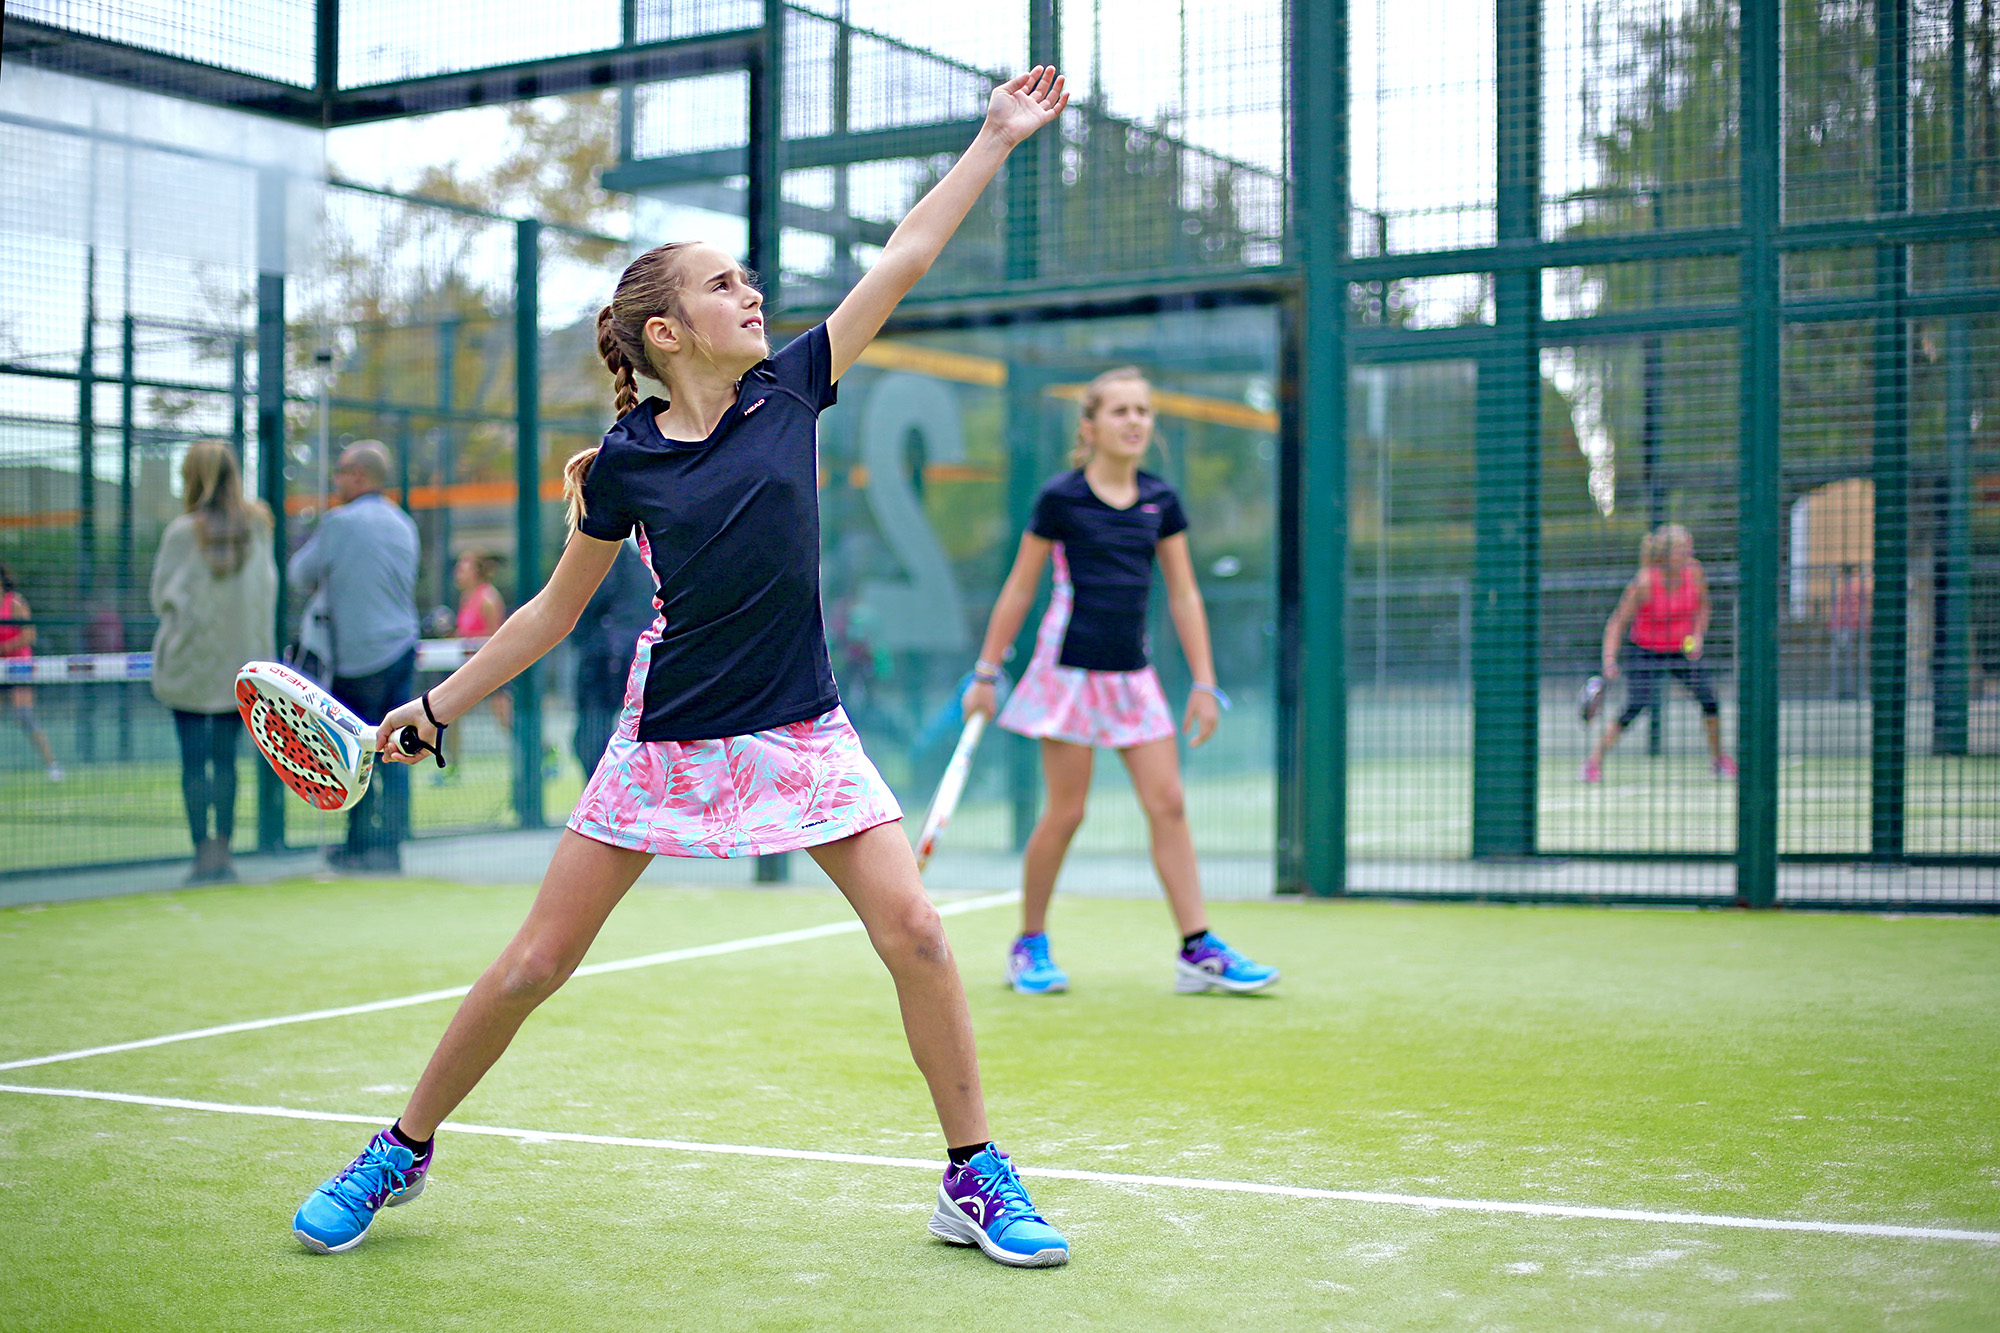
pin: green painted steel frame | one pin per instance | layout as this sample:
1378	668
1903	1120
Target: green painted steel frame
527	508
1317	351
1758	525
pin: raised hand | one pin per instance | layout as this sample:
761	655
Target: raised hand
1025	103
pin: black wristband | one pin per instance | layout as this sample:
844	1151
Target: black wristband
425	700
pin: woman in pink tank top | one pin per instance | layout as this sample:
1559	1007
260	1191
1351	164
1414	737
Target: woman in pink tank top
1666	608
480	612
17	640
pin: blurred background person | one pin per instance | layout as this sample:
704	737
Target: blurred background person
480	611
17	640
605	640
364	556
1849	623
1667	608
215	589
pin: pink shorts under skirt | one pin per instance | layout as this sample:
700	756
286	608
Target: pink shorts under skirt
1114	709
782	790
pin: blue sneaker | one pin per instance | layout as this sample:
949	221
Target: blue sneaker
983	1203
1213	965
1030	969
335	1217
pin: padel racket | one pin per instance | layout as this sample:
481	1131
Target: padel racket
950	789
1590	701
317	745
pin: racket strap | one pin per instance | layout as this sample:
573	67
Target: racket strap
435	750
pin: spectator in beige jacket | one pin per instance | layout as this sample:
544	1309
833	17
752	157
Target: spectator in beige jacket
215	587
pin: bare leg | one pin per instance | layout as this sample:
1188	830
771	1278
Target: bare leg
1712	724
24	713
584	882
1066	773
1156	776
1604	742
878	873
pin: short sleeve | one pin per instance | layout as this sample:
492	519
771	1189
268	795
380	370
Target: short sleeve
607	509
1173	519
1047	522
805	366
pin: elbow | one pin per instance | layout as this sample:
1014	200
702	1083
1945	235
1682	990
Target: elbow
905	261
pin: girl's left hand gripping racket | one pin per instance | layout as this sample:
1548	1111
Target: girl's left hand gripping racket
315	743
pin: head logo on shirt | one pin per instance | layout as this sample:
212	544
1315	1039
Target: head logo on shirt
1149	509
754	406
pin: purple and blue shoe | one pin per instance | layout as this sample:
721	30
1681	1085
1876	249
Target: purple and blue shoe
1030	970
1213	965
335	1217
983	1203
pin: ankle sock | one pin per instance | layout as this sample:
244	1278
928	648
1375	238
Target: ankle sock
960	1156
1189	941
421	1147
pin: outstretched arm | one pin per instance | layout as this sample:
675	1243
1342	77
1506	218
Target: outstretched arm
1191	623
1016	110
518	644
1017	594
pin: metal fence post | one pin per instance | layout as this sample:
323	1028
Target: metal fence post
1889	632
1026	466
1759	526
527	509
1951	671
1315	402
765	187
271	224
1507	511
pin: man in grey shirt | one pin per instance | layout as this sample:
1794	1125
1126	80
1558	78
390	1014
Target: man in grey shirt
363	557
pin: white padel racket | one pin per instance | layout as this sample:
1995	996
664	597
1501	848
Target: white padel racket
317	745
950	789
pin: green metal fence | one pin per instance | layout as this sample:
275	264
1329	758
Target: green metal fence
1450	306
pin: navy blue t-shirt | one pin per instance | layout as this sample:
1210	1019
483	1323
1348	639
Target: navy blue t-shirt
730	526
1110	557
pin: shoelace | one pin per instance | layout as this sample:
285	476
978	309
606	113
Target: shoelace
1000	1181
351	1193
1038	950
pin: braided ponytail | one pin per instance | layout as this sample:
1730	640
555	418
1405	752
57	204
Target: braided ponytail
649	287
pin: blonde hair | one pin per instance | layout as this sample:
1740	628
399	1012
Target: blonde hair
649	288
1657	545
1093	399
224	522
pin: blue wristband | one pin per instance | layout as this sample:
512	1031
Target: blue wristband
1215	690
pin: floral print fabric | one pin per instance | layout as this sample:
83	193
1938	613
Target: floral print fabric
1115	709
781	790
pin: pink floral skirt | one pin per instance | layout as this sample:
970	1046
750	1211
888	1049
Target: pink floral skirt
1114	709
782	790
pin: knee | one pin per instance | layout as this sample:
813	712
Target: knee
533	972
1063	817
913	933
1168	805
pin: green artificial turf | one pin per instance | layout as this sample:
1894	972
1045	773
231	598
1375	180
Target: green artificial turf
1828	1068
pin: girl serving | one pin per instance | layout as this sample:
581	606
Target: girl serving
733	741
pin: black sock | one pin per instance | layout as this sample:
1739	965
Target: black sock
960	1156
421	1147
1189	941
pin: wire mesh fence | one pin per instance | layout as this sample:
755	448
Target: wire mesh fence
1550	290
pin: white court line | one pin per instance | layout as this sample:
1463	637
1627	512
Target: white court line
1054	1173
454	992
